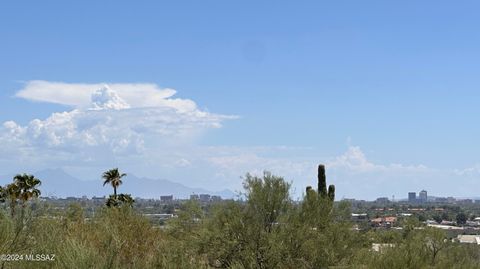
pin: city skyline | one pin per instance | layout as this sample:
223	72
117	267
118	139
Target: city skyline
202	96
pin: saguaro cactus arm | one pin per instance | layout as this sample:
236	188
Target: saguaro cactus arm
331	192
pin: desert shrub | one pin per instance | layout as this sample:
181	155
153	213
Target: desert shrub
267	230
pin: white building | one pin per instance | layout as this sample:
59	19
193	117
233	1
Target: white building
468	239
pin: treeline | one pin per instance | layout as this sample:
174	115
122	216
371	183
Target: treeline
267	229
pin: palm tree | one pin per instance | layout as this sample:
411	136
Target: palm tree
119	201
126	199
23	188
114	178
12	192
112	201
28	187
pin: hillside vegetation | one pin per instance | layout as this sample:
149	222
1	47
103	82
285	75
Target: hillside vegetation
265	230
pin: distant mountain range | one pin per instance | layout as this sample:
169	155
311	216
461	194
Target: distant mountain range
56	182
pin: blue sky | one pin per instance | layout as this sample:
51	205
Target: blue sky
385	93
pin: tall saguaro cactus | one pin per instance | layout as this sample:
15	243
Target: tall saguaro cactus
322	181
322	185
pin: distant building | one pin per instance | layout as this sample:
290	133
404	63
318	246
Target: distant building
469	239
383	222
465	201
205	197
359	216
472	223
412	197
448	223
441	200
166	198
382	200
98	200
422	196
194	197
216	198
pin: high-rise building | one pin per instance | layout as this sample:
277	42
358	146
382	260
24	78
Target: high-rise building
412	197
166	198
423	196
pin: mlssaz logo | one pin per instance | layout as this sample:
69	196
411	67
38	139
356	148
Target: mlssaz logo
40	257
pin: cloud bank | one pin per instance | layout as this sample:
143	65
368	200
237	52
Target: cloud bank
79	95
106	120
147	131
355	161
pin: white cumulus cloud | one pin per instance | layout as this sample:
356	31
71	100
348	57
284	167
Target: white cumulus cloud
354	160
106	119
80	94
106	98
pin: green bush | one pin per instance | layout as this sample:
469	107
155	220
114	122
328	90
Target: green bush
267	230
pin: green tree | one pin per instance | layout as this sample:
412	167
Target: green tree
268	201
318	233
437	218
435	241
267	198
225	237
445	216
248	234
114	178
461	218
186	235
27	185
